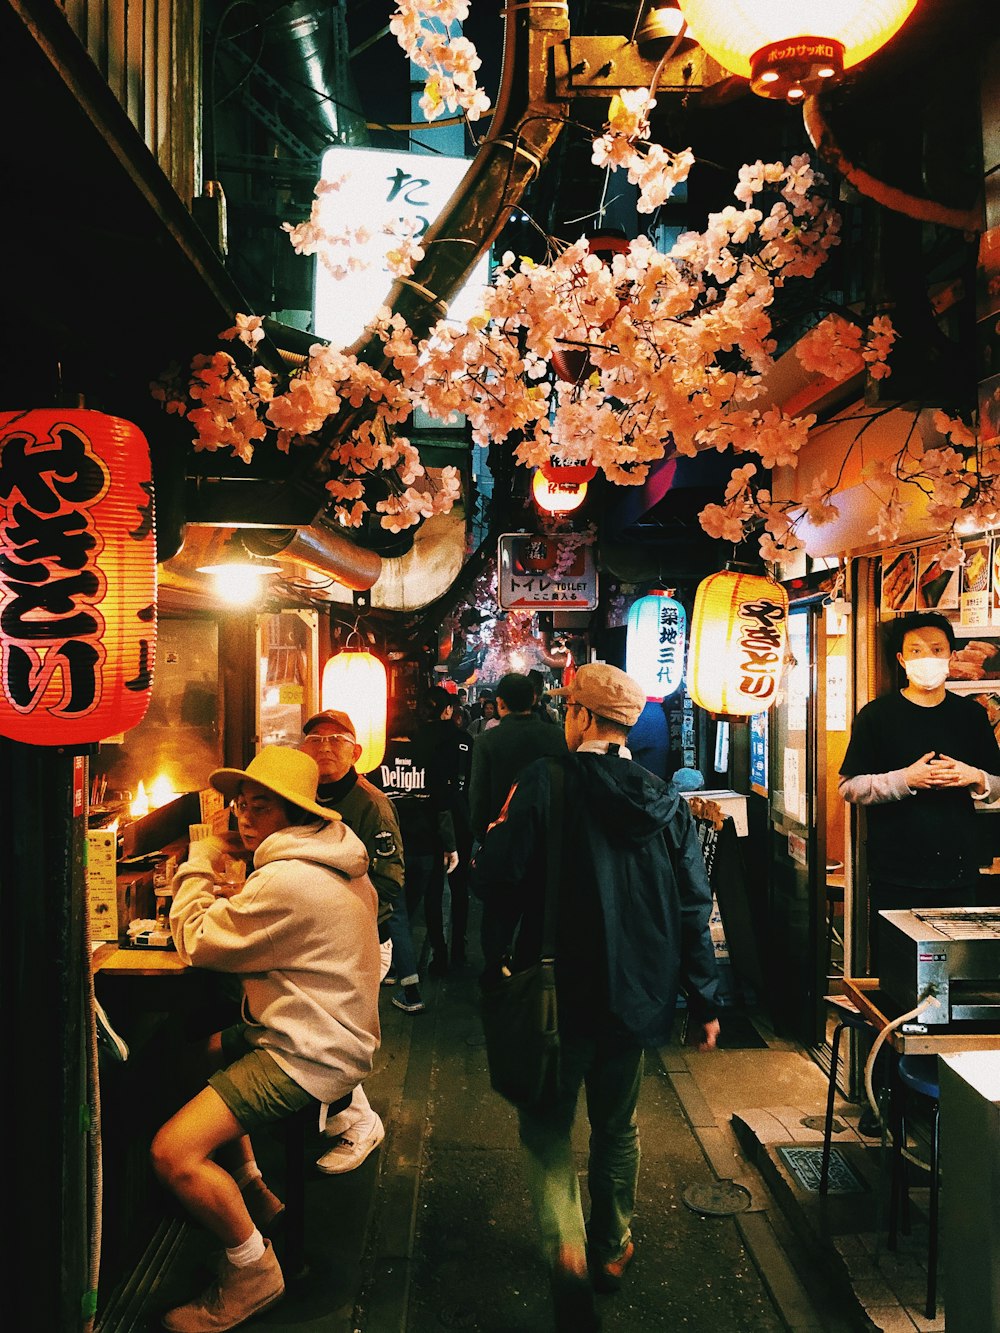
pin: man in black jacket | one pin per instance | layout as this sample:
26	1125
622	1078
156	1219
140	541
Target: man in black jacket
500	754
632	926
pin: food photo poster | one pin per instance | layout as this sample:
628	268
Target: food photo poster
899	581
937	589
974	603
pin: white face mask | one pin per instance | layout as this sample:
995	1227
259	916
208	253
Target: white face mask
927	673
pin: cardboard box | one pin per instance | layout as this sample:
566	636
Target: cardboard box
731	803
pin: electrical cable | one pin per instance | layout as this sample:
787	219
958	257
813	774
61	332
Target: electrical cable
928	1001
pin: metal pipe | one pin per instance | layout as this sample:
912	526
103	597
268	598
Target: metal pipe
321	548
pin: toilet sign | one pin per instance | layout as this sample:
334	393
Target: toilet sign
539	573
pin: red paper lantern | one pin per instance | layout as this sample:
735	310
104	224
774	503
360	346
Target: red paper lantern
573	364
77	576
556	471
557	497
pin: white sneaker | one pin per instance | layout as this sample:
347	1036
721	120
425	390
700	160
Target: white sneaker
350	1150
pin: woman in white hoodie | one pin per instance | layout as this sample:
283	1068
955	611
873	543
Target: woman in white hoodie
302	935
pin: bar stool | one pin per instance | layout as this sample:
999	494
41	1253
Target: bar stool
292	1134
846	1018
916	1074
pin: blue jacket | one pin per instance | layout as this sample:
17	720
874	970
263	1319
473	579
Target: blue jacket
634	899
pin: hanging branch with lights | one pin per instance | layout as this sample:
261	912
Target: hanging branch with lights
673	348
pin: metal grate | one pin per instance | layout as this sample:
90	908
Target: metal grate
962	923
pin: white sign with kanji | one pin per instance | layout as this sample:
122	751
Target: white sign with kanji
538	573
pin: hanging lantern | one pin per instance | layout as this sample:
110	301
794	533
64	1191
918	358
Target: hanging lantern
736	651
557	497
559	470
77	576
356	684
654	644
788	48
573	363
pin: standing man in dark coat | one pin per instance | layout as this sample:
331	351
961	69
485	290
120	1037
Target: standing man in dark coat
500	754
631	927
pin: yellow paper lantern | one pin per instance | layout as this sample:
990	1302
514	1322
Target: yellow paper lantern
787	48
736	649
356	684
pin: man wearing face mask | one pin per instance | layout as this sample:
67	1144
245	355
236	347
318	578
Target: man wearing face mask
919	759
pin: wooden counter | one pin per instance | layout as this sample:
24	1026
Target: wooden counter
112	960
880	1010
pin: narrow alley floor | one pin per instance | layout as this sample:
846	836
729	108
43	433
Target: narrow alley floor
434	1231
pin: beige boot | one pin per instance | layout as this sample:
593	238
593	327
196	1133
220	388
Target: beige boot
237	1294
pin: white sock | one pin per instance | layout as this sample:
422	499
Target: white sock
249	1252
247	1172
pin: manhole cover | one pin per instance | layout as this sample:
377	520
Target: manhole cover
818	1122
721	1199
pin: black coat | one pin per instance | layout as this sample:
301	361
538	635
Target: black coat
634	899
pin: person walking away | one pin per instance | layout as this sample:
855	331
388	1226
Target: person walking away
411	776
500	754
330	738
631	927
445	735
301	935
920	760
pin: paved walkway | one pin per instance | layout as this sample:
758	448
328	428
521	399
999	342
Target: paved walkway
433	1232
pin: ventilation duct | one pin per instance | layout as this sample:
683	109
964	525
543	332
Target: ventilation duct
308	50
321	548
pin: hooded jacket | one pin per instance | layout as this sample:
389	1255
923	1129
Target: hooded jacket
302	936
634	899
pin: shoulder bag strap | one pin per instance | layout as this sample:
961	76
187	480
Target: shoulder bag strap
553	857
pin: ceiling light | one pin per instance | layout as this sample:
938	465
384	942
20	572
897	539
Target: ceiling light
238	578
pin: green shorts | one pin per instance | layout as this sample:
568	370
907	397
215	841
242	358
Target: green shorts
254	1086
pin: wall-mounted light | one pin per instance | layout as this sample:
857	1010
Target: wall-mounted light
237	577
788	48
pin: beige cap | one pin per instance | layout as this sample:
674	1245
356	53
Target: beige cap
279	768
607	691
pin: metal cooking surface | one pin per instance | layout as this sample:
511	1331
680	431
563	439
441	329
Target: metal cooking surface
962	923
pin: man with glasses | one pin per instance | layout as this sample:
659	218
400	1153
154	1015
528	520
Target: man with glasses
331	740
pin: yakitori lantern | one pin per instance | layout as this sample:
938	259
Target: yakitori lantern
77	576
356	684
736	650
654	644
557	497
787	48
